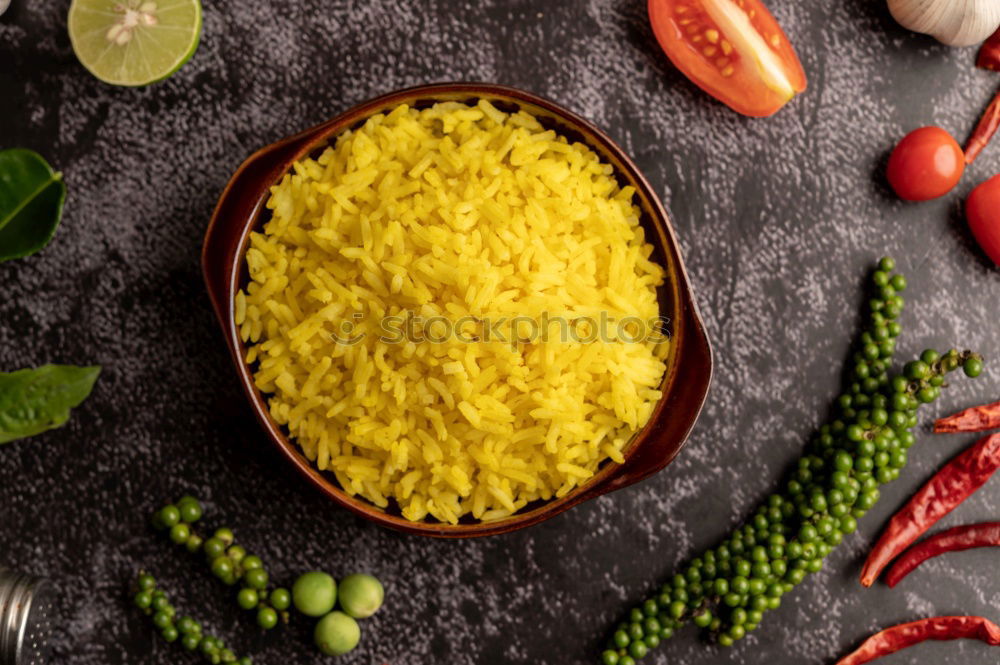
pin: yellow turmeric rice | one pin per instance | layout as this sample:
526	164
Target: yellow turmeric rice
379	316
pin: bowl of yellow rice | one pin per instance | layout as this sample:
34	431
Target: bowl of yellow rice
458	309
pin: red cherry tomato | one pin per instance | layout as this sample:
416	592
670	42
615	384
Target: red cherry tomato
732	49
982	209
926	164
989	53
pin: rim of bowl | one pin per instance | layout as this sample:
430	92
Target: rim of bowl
610	476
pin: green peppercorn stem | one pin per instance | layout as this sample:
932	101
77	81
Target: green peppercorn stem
154	603
727	590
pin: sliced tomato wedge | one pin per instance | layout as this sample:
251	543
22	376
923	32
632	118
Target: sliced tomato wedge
732	49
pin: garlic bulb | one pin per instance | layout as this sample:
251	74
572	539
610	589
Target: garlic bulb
952	22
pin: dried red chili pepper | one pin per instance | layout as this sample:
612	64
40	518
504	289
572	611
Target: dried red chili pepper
960	538
905	635
984	131
949	487
989	53
973	419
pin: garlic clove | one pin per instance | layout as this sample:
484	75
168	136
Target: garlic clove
952	22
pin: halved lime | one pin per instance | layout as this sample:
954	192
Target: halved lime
134	42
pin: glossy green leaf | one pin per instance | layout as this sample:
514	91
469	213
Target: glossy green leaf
31	203
33	401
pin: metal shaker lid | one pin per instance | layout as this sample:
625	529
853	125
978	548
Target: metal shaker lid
26	605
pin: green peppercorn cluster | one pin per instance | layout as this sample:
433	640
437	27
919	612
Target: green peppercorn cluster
154	603
727	590
227	560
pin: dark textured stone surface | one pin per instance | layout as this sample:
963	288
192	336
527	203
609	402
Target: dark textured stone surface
778	220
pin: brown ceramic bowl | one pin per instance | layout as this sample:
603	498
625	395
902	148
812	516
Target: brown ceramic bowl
689	365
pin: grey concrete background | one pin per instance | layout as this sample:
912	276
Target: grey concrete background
778	220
